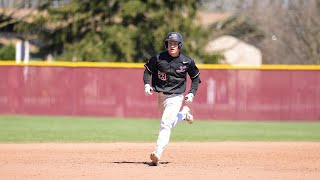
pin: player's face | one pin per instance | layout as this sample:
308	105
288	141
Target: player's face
173	48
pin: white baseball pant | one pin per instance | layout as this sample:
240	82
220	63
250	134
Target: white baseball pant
169	106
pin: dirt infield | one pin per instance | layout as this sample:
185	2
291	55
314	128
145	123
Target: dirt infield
216	160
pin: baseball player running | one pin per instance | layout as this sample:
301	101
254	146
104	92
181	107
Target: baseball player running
168	71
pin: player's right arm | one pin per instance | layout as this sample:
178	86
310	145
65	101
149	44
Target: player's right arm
146	80
150	67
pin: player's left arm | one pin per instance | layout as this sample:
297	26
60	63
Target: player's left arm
194	74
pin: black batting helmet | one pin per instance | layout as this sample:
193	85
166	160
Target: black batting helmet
174	36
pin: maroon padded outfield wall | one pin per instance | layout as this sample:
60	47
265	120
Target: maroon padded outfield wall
224	94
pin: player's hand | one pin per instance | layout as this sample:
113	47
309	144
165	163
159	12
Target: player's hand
148	90
189	98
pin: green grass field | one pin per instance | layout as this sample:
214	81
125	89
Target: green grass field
30	129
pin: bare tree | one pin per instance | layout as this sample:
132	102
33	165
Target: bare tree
290	29
292	32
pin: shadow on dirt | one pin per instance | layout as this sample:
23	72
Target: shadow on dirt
132	162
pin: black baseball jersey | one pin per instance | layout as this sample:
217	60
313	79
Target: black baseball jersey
169	74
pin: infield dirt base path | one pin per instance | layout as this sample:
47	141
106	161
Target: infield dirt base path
216	160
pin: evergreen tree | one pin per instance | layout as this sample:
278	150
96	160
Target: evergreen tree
118	30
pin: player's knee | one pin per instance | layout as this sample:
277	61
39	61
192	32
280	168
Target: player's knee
165	125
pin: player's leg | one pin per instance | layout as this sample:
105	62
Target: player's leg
171	107
185	115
